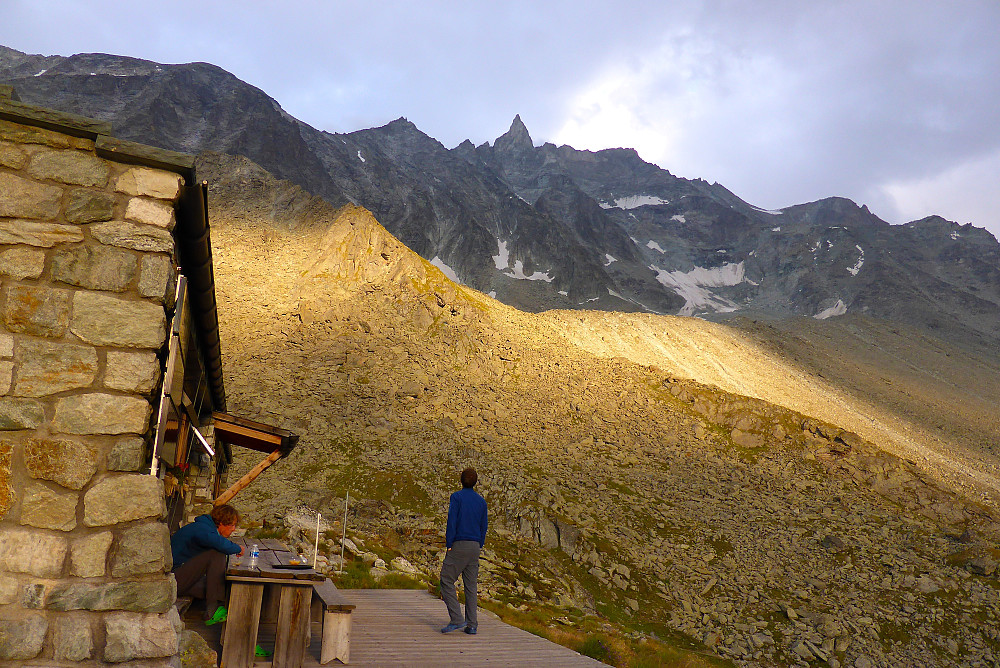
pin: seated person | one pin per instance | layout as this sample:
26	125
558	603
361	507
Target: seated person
200	550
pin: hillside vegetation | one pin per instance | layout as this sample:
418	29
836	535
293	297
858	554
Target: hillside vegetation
767	493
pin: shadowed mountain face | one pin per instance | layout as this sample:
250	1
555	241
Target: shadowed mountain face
545	227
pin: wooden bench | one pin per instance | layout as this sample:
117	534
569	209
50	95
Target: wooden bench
335	611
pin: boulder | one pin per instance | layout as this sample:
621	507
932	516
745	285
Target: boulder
131	636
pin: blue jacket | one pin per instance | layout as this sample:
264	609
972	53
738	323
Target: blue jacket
466	517
194	538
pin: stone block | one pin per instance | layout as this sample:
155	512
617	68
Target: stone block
72	639
94	267
89	206
142	549
38	553
129	235
150	212
23	638
131	636
47	367
6	483
33	595
106	320
68	462
136	596
6	376
72	167
37	311
45	508
20	263
88	555
24	198
32	233
97	413
6	345
11	156
17	414
127	454
195	651
8	589
156	276
132	371
26	134
123	498
148	182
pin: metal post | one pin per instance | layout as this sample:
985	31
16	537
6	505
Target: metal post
343	538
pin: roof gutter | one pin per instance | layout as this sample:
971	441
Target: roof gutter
194	249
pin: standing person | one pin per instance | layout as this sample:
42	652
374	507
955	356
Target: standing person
199	550
464	538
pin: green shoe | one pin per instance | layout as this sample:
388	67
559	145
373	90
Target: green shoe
261	652
220	616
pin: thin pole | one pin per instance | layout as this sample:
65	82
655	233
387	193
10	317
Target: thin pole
343	538
316	548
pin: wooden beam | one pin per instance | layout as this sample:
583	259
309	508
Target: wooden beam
243	482
225	428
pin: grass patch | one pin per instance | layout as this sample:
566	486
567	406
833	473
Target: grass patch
356	575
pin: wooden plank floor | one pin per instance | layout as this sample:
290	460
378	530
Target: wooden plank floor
402	627
399	627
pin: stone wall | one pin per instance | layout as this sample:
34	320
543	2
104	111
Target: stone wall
86	271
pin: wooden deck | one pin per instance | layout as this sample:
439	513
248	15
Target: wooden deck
402	627
399	627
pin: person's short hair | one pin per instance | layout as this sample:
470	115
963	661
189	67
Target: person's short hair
469	477
225	514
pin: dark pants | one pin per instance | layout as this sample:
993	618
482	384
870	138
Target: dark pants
463	557
203	576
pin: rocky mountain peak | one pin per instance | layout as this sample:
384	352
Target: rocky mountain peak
516	138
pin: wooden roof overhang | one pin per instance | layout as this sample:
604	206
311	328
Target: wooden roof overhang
231	430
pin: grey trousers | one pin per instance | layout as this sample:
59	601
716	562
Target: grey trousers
203	576
462	558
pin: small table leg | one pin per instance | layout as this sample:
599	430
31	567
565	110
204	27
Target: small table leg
241	625
292	636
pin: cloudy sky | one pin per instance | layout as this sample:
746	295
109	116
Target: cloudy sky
894	104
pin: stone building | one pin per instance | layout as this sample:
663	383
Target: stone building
110	377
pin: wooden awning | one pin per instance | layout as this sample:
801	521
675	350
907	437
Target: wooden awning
254	435
231	430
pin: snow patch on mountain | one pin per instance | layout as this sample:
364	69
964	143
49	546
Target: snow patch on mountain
610	259
840	308
361	157
502	258
446	270
652	245
693	286
502	262
634	202
853	271
679	218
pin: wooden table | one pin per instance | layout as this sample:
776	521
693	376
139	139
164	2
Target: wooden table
288	603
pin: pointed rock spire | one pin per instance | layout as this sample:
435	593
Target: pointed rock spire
516	139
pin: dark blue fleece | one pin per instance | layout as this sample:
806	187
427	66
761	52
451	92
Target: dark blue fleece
193	539
466	517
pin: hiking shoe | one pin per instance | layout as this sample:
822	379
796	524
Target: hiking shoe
220	616
471	630
453	627
261	652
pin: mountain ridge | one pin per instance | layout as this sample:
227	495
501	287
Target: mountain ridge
520	222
